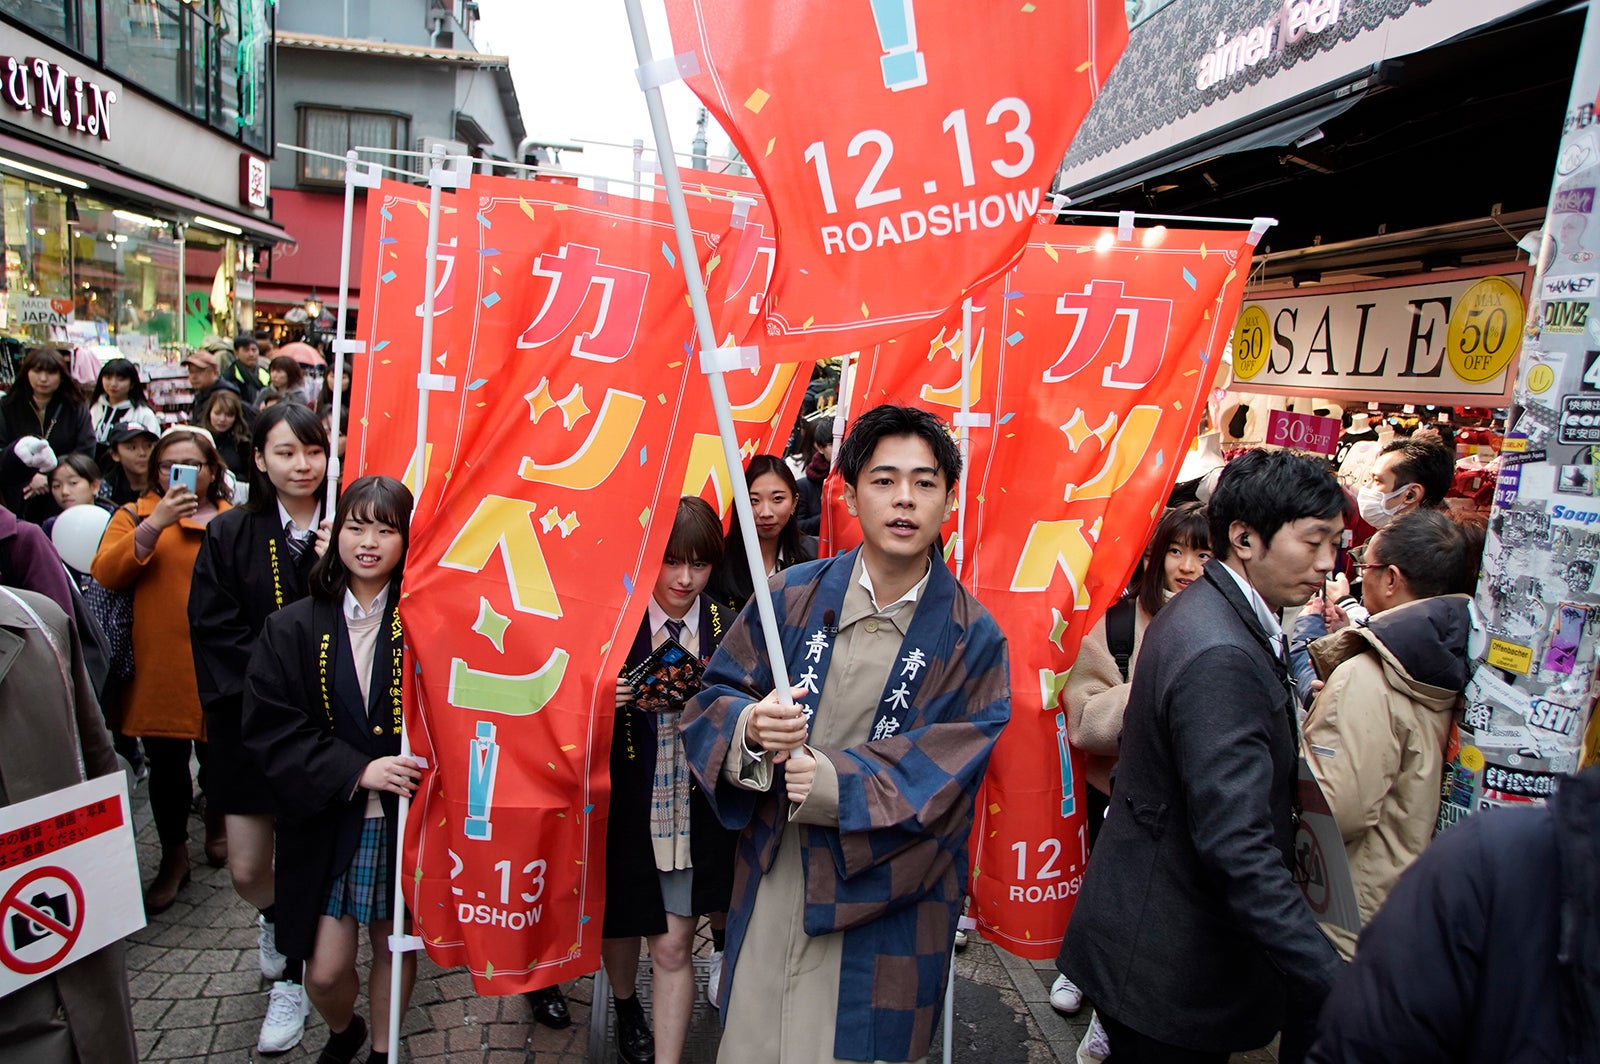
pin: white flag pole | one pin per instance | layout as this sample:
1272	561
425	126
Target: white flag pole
710	363
427	382
964	433
355	176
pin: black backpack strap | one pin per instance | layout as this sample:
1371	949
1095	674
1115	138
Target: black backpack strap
1119	633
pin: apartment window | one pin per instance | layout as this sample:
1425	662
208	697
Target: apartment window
336	131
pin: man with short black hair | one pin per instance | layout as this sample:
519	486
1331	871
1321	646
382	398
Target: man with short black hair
1376	733
247	373
856	803
1409	475
1190	935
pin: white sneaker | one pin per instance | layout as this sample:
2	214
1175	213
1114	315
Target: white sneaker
1095	1047
1065	995
714	977
272	962
285	1024
961	939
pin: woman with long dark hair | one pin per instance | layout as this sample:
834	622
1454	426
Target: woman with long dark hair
773	496
224	416
328	738
119	399
150	547
256	560
45	402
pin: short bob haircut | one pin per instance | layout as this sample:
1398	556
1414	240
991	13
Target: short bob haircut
291	369
307	428
52	360
696	533
219	490
888	420
374	498
1425	460
1184	526
122	368
1267	490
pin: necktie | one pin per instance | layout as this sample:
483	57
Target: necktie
298	542
675	631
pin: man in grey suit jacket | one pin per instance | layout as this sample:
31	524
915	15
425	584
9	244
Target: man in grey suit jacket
1190	935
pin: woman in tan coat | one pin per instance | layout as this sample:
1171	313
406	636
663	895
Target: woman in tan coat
150	546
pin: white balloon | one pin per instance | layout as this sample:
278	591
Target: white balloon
77	535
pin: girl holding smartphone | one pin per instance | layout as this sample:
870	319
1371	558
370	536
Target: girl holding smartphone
150	547
322	709
255	561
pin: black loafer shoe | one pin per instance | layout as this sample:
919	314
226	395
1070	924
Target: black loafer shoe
635	1043
549	1007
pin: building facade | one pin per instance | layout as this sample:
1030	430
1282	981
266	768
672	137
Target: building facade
134	148
382	74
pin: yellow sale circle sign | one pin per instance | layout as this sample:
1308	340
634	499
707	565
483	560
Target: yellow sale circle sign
1485	328
1252	342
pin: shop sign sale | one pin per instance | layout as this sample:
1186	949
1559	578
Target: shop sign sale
1452	339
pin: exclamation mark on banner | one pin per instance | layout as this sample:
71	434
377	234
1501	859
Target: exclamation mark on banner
482	759
903	66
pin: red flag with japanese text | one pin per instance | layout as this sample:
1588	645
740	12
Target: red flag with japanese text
1089	374
1105	349
765	400
903	145
381	425
520	591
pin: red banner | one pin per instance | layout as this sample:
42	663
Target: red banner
569	375
903	146
381	425
1088	379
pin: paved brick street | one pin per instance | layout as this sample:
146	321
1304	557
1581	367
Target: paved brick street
198	994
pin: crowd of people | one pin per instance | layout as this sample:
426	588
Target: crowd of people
822	829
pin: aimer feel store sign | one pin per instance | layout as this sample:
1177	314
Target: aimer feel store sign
49	90
1438	338
1297	19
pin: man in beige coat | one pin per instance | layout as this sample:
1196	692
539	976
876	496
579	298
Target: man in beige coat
1376	733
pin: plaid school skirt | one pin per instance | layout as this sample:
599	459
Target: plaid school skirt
362	891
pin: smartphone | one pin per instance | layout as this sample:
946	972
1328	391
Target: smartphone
186	475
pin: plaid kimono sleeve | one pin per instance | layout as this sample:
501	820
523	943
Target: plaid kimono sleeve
913	793
736	676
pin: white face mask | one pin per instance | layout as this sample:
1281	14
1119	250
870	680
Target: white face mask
1374	505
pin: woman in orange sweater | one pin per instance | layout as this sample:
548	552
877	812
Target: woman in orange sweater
150	546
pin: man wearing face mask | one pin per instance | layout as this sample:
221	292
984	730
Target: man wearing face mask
1190	935
1410	475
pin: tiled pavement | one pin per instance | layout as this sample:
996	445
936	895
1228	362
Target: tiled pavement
198	994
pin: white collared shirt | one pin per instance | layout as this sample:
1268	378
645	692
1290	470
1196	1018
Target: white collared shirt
290	528
893	607
355	611
658	620
1264	613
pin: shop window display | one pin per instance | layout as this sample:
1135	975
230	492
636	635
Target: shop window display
126	272
38	263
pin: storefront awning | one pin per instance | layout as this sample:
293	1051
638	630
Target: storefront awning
155	199
268	293
1200	79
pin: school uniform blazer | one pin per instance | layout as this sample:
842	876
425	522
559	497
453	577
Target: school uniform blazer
1189	927
633	895
307	727
244	573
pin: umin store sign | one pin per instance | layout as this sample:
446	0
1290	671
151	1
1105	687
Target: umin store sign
54	93
1450	338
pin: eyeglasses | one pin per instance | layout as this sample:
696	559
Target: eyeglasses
1373	565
